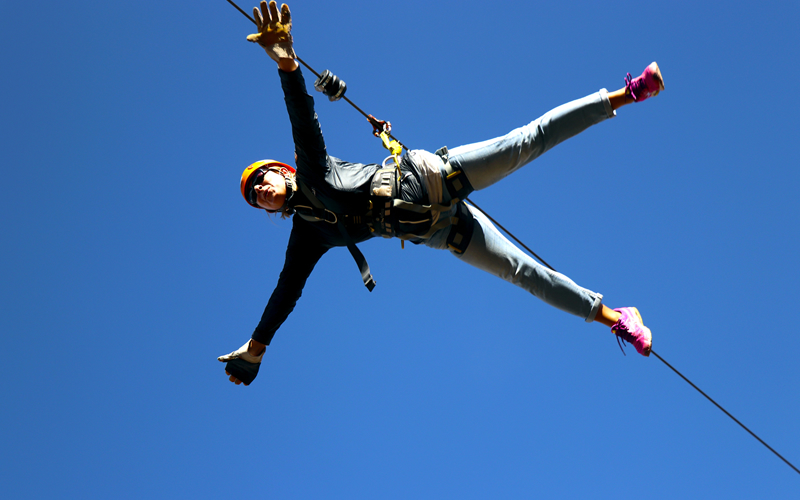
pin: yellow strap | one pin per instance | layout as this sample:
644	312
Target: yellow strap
392	145
394	148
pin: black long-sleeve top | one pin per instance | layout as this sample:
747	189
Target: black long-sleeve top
341	186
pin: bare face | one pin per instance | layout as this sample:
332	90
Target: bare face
271	191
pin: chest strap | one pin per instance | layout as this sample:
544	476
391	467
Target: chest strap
322	214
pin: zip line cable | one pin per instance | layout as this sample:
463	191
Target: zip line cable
659	357
368	117
726	412
317	74
512	236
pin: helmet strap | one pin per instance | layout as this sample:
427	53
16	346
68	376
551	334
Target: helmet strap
291	187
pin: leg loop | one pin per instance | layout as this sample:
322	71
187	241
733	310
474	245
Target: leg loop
455	180
461	229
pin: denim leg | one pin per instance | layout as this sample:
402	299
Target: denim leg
492	252
487	162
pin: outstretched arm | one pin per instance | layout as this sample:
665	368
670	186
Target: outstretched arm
302	254
275	34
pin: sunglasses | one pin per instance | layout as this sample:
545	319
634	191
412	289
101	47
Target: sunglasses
252	195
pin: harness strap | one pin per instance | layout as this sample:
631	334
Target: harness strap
316	214
361	261
455	180
463	227
421	209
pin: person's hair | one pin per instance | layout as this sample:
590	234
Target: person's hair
283	214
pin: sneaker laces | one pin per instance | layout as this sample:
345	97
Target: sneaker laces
622	332
620	345
629	84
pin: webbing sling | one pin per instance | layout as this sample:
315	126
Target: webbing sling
361	261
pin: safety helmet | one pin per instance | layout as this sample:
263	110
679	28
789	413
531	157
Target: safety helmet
250	173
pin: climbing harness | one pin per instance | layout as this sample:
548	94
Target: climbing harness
387	215
458	187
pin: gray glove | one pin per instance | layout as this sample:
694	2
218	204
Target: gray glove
274	31
242	365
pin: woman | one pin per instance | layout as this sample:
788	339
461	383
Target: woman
337	203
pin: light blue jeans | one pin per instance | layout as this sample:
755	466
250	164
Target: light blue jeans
487	162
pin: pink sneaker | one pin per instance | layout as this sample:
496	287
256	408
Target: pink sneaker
646	85
630	328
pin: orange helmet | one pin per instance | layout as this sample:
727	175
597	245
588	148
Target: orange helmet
250	173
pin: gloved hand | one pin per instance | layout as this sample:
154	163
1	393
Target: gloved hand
242	366
274	30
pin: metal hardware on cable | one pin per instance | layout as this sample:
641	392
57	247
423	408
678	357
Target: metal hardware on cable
330	85
382	128
379	126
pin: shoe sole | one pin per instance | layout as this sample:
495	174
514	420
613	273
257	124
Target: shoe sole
657	73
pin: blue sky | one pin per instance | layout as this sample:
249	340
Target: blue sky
130	261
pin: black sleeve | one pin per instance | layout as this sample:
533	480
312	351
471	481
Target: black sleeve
306	132
302	254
